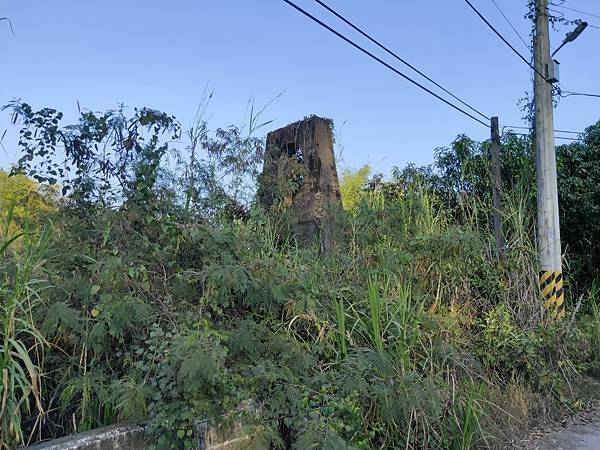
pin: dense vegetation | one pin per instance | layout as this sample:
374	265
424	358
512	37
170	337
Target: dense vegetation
156	288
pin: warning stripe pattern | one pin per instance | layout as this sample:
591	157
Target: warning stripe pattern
560	295
551	286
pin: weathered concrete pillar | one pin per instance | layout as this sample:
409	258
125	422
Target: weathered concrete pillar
314	196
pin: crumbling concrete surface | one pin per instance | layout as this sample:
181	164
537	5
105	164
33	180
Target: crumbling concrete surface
124	437
314	193
133	437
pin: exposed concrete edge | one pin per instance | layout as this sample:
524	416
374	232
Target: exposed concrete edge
133	437
128	436
232	443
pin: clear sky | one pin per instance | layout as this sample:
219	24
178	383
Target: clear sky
162	54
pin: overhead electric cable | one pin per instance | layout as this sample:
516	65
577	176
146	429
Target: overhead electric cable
562	14
572	20
555	137
563	138
382	62
577	11
505	41
583	94
386	49
558	131
511	25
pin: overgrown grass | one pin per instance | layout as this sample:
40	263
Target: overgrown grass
410	334
23	345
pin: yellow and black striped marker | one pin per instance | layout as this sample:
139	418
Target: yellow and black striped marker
551	285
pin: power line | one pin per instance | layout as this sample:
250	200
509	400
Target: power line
563	138
386	49
583	94
511	25
505	41
555	137
527	128
571	20
562	14
577	11
380	61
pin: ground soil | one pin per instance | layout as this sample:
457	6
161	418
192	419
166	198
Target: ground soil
580	432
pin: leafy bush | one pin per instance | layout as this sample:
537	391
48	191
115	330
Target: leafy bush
166	293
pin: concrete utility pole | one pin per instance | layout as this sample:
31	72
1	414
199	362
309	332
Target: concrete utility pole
551	280
497	186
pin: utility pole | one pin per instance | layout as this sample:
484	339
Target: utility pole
497	187
551	280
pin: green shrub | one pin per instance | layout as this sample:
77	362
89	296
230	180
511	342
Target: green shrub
167	296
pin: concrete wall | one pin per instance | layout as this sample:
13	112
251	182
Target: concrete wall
132	437
125	437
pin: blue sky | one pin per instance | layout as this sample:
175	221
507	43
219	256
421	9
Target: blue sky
162	54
